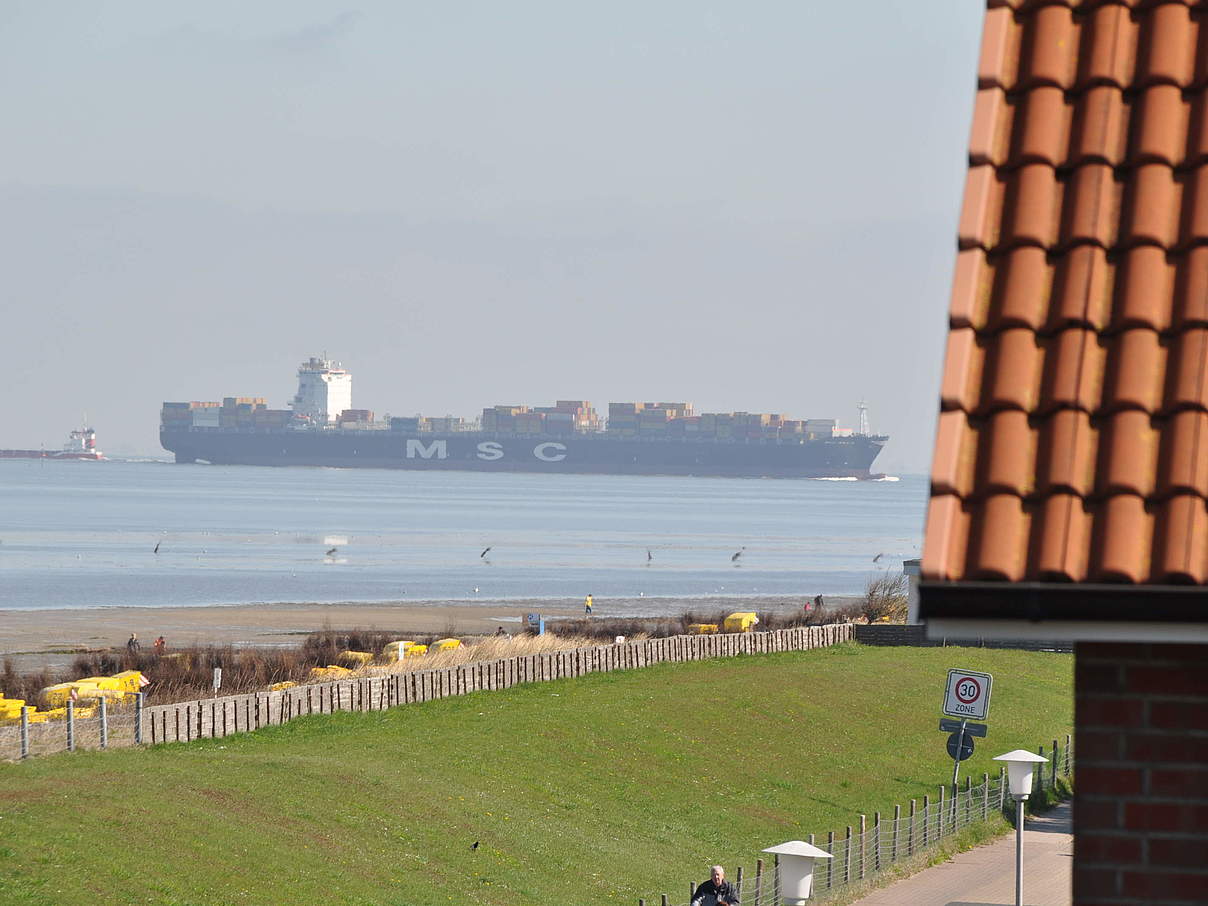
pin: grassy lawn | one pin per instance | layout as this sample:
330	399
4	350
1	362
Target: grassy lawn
595	790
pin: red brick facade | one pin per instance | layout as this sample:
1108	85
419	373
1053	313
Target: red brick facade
1141	800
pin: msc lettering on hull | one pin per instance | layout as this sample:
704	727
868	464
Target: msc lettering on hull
487	451
437	449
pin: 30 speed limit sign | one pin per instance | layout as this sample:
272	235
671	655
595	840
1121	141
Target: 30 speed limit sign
968	694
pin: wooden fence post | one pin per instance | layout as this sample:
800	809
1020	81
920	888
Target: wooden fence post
138	718
830	848
847	856
910	830
926	819
985	796
876	841
104	724
1038	777
738	883
758	882
1066	769
939	824
70	725
25	730
863	846
665	901
897	822
1002	788
967	806
1056	758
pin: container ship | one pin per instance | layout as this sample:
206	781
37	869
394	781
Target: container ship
321	428
80	444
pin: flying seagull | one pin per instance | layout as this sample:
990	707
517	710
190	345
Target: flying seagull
877	557
737	554
157	544
332	552
484	553
649	556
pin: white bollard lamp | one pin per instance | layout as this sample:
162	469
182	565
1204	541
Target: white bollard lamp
796	861
1021	765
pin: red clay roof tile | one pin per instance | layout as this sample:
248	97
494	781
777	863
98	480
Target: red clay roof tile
1161	126
1127	455
1061	544
1013	366
1121	540
1066	449
1023	283
1007	455
1184	465
1182	541
1073	440
1191	289
1000	526
1082	289
1092	207
1050	35
1167	46
1100	132
1143	289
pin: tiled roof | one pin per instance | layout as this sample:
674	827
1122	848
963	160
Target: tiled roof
1073	434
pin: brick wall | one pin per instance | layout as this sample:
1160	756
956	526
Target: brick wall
1141	788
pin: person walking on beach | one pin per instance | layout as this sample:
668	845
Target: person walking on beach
132	644
587	606
159	646
716	891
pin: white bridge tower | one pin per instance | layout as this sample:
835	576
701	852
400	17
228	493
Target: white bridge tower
324	390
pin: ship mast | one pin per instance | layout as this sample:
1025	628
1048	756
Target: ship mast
862	408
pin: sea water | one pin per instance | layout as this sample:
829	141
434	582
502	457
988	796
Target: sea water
84	534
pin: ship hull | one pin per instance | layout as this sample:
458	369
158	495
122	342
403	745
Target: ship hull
840	457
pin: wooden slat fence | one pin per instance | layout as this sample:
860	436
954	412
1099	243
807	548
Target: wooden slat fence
216	717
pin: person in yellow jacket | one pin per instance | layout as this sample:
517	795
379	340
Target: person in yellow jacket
587	606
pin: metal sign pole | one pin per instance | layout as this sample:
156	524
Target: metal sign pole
956	766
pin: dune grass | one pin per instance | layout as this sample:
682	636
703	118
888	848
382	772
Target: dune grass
594	790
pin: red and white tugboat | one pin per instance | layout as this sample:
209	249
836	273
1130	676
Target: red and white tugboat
81	444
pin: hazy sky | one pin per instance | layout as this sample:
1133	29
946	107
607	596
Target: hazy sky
749	206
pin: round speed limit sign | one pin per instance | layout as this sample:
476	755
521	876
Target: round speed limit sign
967	694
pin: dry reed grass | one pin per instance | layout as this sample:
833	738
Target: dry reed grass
187	673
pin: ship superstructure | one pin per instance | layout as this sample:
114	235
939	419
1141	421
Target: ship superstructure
322	429
324	391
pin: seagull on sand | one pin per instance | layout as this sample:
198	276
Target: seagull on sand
737	554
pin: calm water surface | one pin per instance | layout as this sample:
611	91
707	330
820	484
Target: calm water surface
82	534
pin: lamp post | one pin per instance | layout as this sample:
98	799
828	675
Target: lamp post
1020	766
796	861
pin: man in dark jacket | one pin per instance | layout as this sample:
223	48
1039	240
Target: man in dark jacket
717	891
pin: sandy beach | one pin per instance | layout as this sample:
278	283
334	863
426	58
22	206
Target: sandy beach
36	638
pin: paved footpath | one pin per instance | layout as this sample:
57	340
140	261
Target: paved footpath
985	876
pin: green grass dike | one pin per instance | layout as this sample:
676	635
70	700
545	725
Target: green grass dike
592	790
